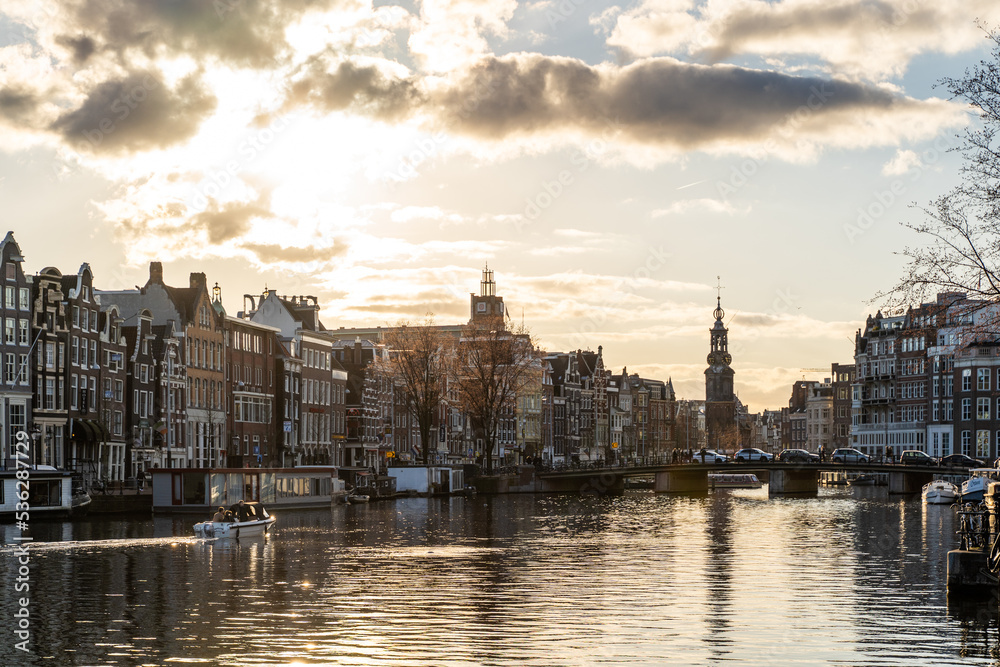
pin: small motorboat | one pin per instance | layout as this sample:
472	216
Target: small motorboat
974	488
242	520
940	492
862	480
355	498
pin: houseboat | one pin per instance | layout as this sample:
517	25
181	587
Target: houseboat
201	490
52	493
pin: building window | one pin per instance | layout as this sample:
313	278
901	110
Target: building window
982	408
967	443
18	421
22	332
85	319
119	390
9	369
22	294
966	409
983	444
983	379
967	379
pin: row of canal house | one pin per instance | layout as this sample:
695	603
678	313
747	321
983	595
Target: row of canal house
112	383
929	379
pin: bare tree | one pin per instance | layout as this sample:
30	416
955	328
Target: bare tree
421	360
962	253
495	365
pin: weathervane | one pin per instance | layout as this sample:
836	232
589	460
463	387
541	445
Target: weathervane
719	313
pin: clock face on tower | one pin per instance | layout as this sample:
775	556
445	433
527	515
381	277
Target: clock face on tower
719	358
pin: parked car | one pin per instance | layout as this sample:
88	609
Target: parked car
709	456
848	455
797	456
752	454
915	457
961	461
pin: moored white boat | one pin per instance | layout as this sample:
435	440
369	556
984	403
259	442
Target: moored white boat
940	492
974	488
248	519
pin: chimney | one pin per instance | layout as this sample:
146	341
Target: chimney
357	350
156	272
198	280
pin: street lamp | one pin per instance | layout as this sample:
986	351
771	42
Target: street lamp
36	436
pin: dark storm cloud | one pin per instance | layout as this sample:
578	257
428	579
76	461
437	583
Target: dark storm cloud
657	101
134	113
244	32
363	88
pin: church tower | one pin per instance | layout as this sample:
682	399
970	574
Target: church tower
720	402
487	304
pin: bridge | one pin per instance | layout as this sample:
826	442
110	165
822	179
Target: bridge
781	478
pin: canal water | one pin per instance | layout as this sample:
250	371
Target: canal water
848	577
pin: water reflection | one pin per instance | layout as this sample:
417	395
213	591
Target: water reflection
849	576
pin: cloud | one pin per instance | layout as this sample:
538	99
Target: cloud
371	89
241	32
655	104
18	104
224	222
861	38
667	103
903	161
270	254
702	205
451	33
135	113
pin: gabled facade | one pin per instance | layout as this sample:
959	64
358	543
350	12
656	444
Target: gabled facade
16	348
199	327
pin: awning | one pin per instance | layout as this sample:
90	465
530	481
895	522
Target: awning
81	430
100	432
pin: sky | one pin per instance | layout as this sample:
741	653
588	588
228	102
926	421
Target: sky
613	163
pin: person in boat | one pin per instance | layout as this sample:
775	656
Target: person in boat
220	516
